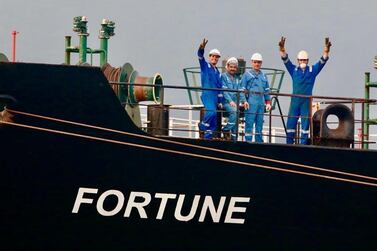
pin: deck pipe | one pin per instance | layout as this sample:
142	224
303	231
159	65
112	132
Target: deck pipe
67	57
367	120
107	31
80	26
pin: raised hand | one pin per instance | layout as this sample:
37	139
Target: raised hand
327	45
203	44
282	44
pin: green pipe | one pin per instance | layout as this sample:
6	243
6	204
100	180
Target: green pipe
88	50
82	48
366	113
103	48
94	51
97	51
372	84
67	58
80	26
107	31
72	49
372	121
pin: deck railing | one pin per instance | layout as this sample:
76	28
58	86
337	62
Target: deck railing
183	118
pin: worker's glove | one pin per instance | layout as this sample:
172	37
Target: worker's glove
220	105
282	44
246	105
268	107
327	45
232	104
203	44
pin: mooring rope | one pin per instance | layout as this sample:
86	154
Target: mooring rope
113	75
196	146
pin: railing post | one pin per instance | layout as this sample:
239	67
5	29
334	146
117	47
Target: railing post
366	113
190	122
310	119
237	113
269	125
298	132
353	114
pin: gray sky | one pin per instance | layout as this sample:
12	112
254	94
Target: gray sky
163	35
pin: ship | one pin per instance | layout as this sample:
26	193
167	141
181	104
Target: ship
80	173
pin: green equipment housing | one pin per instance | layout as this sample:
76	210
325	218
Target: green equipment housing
128	85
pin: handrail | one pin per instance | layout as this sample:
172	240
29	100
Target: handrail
274	97
357	100
267	71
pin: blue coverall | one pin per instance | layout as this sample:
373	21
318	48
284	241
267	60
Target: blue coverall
303	82
230	82
257	85
210	78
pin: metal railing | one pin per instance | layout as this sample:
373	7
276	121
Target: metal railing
184	118
192	79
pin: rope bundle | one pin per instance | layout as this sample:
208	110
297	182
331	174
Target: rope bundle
112	74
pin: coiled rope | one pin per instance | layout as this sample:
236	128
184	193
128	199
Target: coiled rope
112	74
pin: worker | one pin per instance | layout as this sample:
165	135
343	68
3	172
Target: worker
256	99
303	78
210	78
231	81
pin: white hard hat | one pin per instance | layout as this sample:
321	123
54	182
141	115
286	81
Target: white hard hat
257	57
302	55
232	60
215	52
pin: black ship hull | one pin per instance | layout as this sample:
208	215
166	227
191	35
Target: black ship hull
100	183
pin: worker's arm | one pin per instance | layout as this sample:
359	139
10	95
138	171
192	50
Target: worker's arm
266	92
267	98
322	61
202	61
284	56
